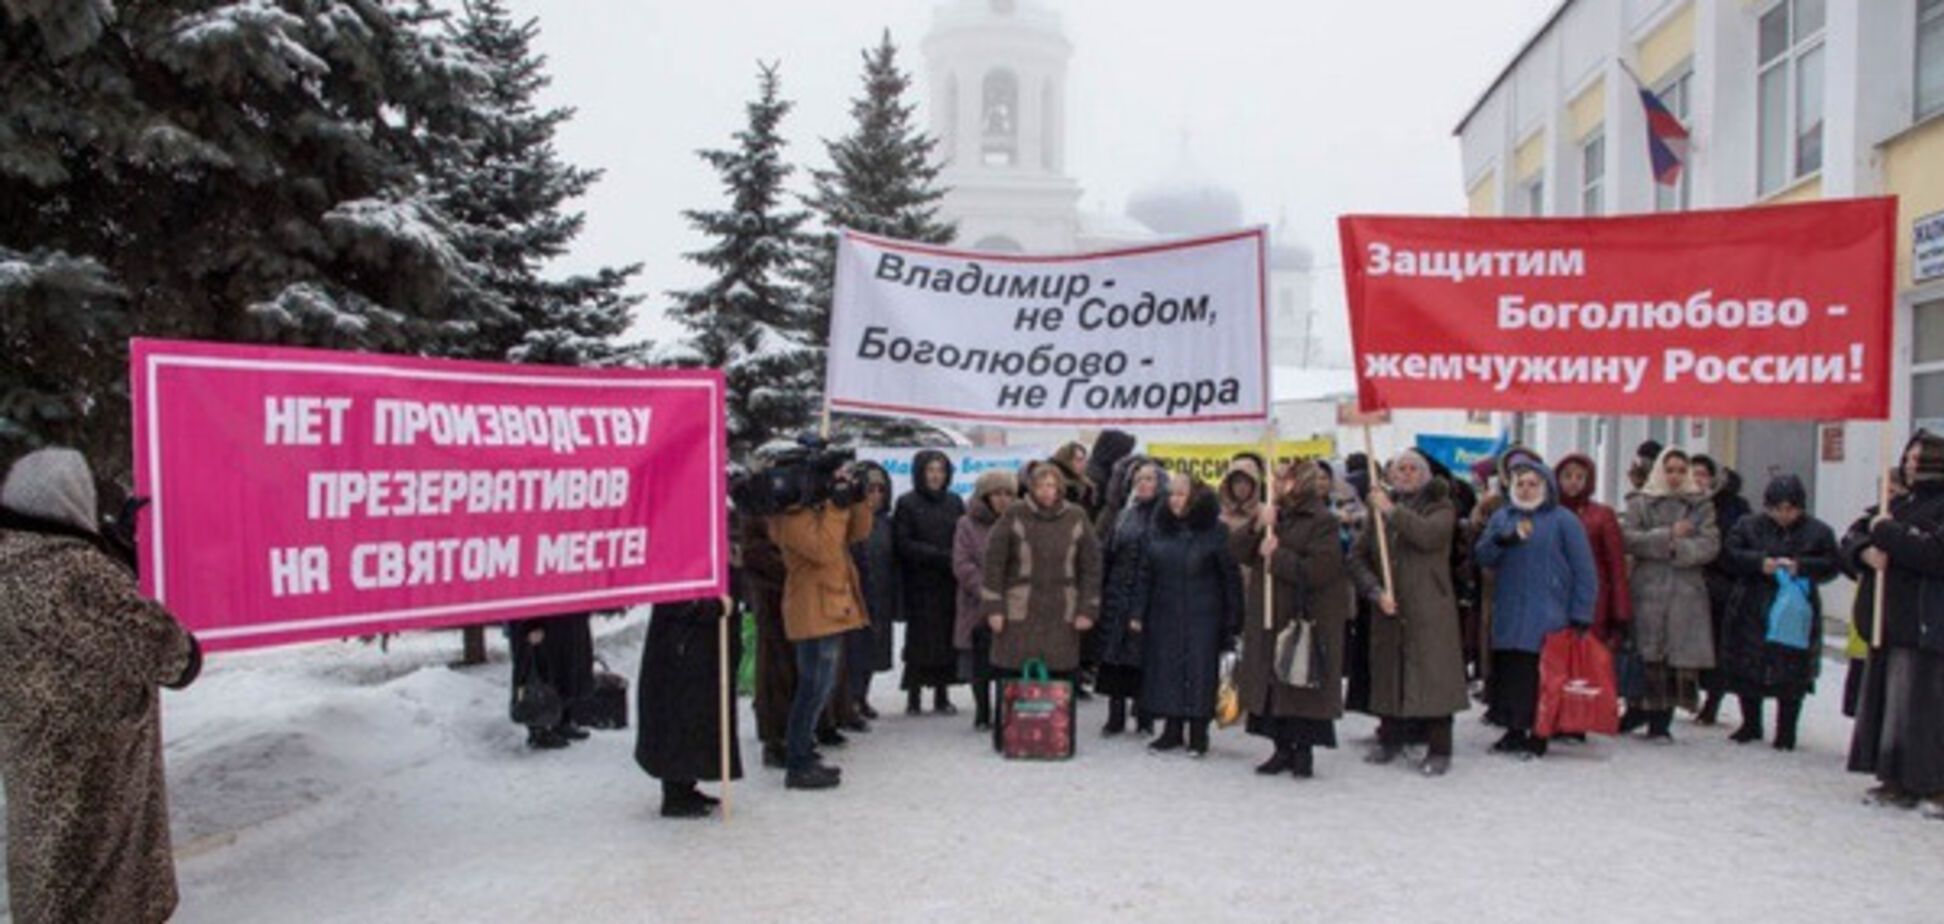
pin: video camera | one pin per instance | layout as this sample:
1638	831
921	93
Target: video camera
800	475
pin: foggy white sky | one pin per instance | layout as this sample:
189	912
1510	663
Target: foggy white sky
1311	108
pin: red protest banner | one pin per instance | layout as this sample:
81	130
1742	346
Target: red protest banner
1766	312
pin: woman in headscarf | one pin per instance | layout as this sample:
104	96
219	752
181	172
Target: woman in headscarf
1110	449
1071	460
1784	539
1724	487
1671	534
82	654
1121	553
1306	561
867	651
1544	581
994	492
1243	495
1188	608
1417	663
1613	611
924	525
1899	734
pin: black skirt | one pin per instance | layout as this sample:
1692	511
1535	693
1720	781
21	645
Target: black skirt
1116	680
1899	734
1294	732
1515	688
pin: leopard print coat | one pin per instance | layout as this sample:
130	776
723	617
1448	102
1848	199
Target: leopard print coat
81	656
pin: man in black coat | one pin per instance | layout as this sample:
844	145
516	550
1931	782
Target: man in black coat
678	699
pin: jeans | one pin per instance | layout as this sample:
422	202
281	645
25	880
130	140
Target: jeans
817	660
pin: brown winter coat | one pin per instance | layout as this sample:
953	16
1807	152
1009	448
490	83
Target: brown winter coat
1672	621
1417	662
1042	571
1311	582
81	656
821	592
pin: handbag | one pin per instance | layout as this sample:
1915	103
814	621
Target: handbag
1036	715
1791	618
1577	689
1228	699
1299	656
536	704
607	706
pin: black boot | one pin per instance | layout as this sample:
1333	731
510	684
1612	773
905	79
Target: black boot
864	709
1512	742
572	732
981	705
1536	746
775	756
1143	723
1303	764
1279	762
1751	726
942	702
1116	717
1198	738
545	739
1710	709
1659	725
680	800
813	776
831	738
1788	712
915	701
1633	720
1170	739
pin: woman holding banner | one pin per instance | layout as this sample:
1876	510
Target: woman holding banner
1187	609
80	714
1899	735
1140	488
1305	559
1417	663
1671	534
925	523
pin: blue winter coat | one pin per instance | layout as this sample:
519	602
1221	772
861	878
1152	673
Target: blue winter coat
1546	581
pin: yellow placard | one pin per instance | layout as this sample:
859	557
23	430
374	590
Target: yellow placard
1210	461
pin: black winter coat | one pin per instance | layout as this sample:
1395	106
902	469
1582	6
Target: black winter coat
924	526
1189	595
1121	559
677	695
1914	593
1751	664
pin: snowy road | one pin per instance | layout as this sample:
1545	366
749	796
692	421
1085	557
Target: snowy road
337	783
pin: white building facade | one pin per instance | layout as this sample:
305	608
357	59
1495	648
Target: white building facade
1786	101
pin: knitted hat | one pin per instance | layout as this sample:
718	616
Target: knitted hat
52	484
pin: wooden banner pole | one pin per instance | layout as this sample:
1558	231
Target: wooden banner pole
1883	509
1269	440
1377	519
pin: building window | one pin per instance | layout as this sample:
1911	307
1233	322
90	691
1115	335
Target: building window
1927	365
1593	174
999	119
1674	94
1533	196
1930	58
1790	92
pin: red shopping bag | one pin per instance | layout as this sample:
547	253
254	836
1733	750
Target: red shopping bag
1578	693
1036	716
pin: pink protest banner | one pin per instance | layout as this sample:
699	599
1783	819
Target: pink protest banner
309	494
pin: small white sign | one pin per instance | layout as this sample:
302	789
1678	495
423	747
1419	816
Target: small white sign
1927	248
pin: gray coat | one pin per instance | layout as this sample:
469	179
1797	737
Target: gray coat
1671	623
1417	662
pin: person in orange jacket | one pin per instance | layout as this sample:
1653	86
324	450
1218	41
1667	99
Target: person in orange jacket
822	600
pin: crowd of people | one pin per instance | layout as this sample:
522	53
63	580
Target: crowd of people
1309	589
1414	589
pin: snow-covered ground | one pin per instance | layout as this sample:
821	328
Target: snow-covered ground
340	783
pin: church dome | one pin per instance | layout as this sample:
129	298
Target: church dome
1186	201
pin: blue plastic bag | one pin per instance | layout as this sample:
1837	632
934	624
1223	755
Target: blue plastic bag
1791	618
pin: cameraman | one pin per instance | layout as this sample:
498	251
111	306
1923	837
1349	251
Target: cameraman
822	600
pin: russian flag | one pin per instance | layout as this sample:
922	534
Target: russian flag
1667	139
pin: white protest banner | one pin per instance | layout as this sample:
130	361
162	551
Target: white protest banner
1172	333
967	463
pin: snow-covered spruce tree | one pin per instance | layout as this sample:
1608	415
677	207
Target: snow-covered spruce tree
750	319
243	171
882	180
508	190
